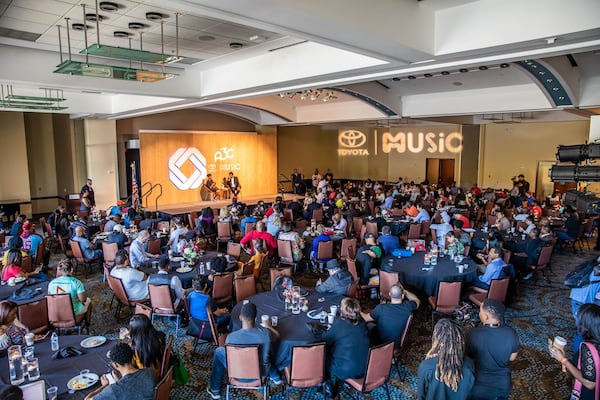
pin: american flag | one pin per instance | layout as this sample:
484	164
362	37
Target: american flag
135	196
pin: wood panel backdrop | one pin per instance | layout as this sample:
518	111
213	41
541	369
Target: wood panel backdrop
252	157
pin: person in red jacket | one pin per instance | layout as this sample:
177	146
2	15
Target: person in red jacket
247	241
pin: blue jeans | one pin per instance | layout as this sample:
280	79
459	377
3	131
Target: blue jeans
481	284
563	236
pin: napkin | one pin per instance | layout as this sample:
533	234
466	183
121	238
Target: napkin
316	328
66	352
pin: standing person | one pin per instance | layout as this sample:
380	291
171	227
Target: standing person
316	178
296	181
446	373
91	196
234	184
588	326
86	204
492	346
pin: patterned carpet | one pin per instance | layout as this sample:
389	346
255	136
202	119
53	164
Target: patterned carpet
540	310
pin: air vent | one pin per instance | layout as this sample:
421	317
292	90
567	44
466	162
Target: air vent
20	35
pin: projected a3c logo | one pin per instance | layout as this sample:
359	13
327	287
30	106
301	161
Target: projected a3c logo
180	157
352	139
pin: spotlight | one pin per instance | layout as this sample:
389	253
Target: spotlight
463	70
578	153
483	68
504	65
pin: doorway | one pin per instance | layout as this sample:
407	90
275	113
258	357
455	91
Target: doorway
440	171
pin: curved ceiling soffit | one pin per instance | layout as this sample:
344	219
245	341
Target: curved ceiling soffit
369	100
243	112
558	94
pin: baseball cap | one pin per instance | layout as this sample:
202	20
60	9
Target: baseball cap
333	264
117	228
369	236
27	226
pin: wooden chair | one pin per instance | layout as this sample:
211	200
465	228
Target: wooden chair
153	246
324	252
244	287
317	215
61	315
52	238
372	229
424	229
275	272
398	349
223	233
34	316
162	389
377	372
543	261
160	225
234	249
27	264
262	270
386	281
192	217
162	304
498	290
285	253
144	310
39	253
448	297
414	231
222	290
307	367
218	338
357	224
86	263
348	248
288	215
116	284
250	226
248	269
244	369
351	263
109	252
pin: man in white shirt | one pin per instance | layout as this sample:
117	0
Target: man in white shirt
138	254
442	229
422	216
174	238
339	222
134	281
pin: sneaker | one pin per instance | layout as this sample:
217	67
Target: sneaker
275	380
528	276
214	395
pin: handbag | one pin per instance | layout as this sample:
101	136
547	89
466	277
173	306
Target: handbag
577	386
180	373
198	328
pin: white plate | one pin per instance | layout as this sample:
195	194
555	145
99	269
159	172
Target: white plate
92	341
469	230
177	259
20	279
84	381
183	270
316	314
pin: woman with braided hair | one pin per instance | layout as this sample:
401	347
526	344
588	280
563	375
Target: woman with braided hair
446	374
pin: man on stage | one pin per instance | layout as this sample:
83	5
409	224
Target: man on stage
234	184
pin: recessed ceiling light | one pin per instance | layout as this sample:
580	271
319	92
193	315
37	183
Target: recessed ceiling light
483	68
236	45
79	27
445	73
504	65
121	34
108	6
395	79
427	75
155	16
206	38
463	70
136	26
93	17
412	77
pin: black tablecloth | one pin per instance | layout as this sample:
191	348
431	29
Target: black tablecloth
59	372
410	271
186	277
291	327
6	291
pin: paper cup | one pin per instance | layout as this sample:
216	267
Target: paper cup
330	318
461	269
264	320
29	339
333	309
560	342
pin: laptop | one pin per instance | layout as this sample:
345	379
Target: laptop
35	390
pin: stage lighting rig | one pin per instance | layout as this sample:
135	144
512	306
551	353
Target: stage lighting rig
578	153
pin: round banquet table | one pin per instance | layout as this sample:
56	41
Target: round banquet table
41	288
59	372
410	271
291	327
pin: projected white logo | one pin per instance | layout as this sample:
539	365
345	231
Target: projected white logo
180	157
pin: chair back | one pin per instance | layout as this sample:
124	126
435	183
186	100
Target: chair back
39	253
234	249
288	215
544	257
248	268
116	284
162	390
325	250
109	251
166	358
243	365
250	226
317	215
307	367
448	295
352	289
397	212
351	263
491	219
379	364
425	229
244	287
144	310
414	231
275	272
300	224
348	249
357	224
60	310
217	338
160	299
76	249
192	217
27	264
405	331
434	237
224	231
506	256
372	228
154	246
222	290
264	264
386	281
498	289
34	316
284	250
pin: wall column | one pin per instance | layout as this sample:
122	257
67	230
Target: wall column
101	160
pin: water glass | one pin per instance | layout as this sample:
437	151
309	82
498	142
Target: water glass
433	259
274	320
323	318
33	369
14	352
17	368
123	333
29	352
52	393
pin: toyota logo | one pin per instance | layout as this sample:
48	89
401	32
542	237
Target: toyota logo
352	139
180	157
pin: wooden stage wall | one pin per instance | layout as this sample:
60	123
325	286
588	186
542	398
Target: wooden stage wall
180	160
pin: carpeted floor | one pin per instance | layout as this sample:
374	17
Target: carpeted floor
539	311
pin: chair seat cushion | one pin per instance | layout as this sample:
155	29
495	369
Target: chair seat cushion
356	383
478	298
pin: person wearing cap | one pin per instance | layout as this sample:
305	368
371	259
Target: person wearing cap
390	318
32	242
248	335
338	282
366	256
131	382
492	346
117	236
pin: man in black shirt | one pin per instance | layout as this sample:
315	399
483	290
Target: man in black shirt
492	346
90	189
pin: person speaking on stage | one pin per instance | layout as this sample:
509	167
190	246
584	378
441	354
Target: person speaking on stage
234	184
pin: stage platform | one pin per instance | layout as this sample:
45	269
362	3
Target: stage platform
188	207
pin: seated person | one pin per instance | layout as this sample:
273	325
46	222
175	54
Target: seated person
247	241
73	286
387	241
180	230
391	318
148	222
463	236
134	281
546	235
12	331
17	226
442	228
422	216
130	383
248	217
530	226
570	229
117	236
257	257
86	247
322	237
248	335
502	223
339	222
14	243
148	344
410	209
287	233
13	268
453	244
32	242
113	220
198	300
338	282
366	258
524	260
162	278
140	258
491	268
274	224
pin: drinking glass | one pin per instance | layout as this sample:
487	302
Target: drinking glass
274	320
17	368
52	393
14	352
29	352
33	369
